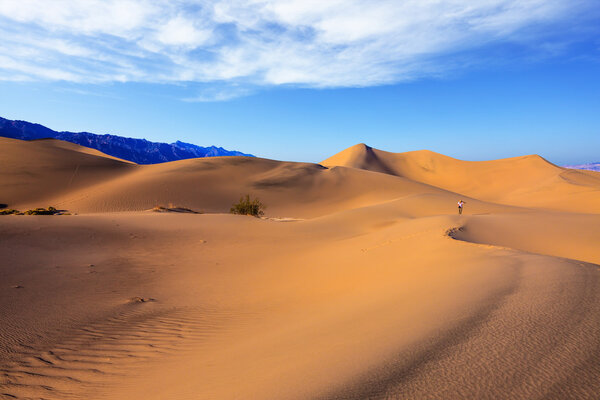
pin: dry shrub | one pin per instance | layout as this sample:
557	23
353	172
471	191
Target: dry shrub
247	206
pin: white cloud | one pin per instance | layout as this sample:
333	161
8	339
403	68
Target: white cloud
313	43
180	31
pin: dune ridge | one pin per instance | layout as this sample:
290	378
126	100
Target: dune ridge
529	181
369	285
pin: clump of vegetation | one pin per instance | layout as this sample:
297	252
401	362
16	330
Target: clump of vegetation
43	211
36	211
246	206
10	211
172	208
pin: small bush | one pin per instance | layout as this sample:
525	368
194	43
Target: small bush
36	211
248	207
42	211
9	211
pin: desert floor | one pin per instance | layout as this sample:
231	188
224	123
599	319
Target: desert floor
361	281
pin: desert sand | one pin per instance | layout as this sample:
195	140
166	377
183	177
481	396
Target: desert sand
360	282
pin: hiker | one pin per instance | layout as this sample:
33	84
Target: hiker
460	206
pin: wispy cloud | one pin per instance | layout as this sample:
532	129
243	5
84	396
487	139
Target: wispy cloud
219	93
310	43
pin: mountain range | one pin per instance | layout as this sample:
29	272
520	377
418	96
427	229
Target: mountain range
139	151
589	166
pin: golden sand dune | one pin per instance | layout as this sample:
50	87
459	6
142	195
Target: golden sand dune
380	291
504	181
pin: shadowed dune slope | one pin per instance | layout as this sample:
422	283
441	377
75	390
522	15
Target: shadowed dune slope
525	181
34	172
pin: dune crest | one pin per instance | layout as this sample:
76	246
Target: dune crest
525	181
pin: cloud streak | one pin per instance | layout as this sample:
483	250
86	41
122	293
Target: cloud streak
308	43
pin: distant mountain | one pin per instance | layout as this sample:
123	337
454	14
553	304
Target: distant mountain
140	151
590	167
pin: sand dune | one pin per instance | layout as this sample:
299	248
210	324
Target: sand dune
502	181
377	289
35	171
85	184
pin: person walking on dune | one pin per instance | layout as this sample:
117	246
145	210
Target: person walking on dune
460	206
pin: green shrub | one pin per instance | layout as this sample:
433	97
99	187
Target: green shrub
248	207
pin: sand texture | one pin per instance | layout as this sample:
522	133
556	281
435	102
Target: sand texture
360	282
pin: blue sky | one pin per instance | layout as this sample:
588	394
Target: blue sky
303	79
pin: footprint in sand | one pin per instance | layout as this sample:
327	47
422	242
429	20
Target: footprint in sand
135	300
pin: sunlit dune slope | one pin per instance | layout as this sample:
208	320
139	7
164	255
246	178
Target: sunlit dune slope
528	181
574	236
364	303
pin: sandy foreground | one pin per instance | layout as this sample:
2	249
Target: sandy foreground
362	282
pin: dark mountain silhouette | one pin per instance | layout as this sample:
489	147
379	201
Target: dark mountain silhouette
140	151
